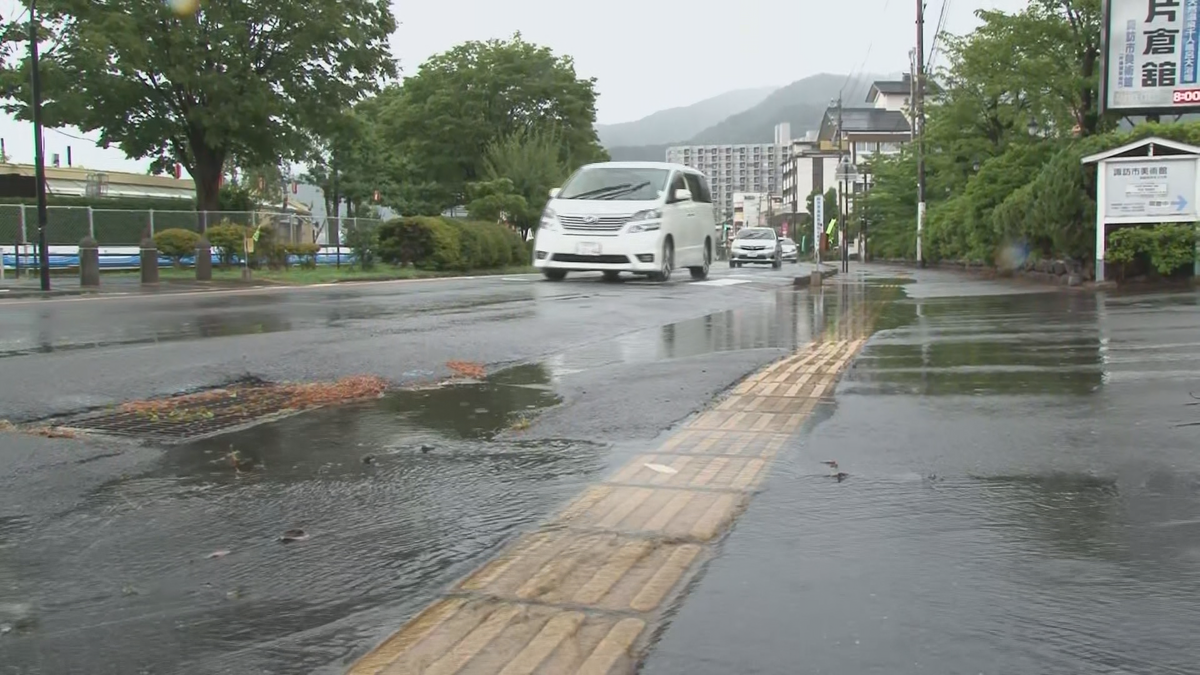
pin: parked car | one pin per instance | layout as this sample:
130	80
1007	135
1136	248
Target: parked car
646	218
789	250
756	245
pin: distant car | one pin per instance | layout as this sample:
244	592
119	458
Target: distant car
789	250
756	245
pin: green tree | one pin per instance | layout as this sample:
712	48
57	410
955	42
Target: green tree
238	79
531	160
489	201
459	102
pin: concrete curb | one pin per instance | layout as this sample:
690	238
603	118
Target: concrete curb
805	282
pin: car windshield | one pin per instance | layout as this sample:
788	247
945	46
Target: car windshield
756	234
608	182
789	242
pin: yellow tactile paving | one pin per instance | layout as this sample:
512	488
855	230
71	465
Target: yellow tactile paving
657	511
487	636
714	472
608	571
580	595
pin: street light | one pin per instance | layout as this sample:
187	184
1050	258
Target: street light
39	163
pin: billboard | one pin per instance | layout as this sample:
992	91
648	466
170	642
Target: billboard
1150	189
1151	56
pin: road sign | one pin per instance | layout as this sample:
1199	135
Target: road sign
1161	189
818	219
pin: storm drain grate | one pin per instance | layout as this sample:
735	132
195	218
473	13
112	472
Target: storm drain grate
210	412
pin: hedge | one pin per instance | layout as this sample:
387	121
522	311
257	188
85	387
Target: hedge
437	243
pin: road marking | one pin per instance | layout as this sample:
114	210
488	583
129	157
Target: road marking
559	600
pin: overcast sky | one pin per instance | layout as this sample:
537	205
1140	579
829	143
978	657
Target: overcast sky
645	56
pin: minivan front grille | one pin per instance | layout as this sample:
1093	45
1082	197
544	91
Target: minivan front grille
593	259
593	223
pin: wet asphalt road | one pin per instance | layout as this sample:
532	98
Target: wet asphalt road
1022	495
106	545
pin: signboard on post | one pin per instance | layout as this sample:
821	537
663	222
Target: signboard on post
818	222
1151	56
1151	189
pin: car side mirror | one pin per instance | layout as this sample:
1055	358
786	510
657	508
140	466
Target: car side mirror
682	195
554	192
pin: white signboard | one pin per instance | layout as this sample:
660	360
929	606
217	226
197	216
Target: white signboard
1151	189
818	218
1152	56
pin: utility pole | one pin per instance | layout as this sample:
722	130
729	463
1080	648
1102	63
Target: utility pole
919	123
843	203
39	160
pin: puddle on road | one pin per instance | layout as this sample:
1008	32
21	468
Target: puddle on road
399	496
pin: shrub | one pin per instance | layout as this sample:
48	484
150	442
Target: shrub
1168	247
362	237
436	243
176	244
307	253
228	239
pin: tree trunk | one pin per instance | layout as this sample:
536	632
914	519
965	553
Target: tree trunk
209	163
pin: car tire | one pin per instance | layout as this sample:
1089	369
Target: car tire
611	276
777	263
552	274
732	264
668	261
701	273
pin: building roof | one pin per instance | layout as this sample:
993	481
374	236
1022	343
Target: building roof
863	120
899	87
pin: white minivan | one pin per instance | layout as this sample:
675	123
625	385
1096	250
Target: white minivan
646	218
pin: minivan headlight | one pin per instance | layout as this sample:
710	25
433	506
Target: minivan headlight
549	220
645	221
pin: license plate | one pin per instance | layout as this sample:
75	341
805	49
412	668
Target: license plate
588	248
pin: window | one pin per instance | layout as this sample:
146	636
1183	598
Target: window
613	183
699	188
678	184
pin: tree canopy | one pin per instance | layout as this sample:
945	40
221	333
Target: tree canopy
245	80
462	102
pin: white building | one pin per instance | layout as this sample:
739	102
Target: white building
882	128
747	167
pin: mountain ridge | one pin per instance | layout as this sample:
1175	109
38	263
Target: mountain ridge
680	123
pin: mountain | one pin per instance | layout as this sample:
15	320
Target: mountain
801	103
679	124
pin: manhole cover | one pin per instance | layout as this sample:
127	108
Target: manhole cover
189	416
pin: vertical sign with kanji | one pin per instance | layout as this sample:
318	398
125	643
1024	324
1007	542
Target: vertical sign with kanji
1151	56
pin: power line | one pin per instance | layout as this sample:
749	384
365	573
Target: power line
937	36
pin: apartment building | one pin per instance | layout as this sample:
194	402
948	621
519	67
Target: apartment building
738	168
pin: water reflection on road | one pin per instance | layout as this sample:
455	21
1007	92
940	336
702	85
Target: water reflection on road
1023	498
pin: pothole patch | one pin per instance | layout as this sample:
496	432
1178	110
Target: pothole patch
190	416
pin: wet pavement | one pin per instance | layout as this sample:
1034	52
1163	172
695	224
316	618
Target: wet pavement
1023	495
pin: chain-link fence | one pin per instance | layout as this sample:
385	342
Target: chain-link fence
67	225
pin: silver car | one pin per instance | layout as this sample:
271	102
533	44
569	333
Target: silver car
755	245
788	250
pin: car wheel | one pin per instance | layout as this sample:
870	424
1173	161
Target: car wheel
732	264
701	272
554	275
777	263
612	275
668	261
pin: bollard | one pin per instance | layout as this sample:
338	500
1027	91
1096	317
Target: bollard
149	261
203	259
89	262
